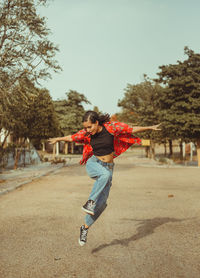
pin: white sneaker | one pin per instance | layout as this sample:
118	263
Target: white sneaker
83	235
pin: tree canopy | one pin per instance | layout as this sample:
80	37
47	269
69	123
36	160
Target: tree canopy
180	100
30	112
26	57
139	105
70	112
24	45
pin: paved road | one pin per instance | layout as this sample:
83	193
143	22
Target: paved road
150	228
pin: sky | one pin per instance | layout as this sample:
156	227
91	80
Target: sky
106	44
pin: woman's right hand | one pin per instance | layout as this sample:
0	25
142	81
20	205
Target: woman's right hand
53	140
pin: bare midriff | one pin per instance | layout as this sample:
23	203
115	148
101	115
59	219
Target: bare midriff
106	158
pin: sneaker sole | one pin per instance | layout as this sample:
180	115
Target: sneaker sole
81	242
88	211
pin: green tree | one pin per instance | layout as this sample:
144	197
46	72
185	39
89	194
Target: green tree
24	45
139	104
180	100
70	112
31	112
139	107
96	109
25	52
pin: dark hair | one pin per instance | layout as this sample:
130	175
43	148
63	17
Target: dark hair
93	116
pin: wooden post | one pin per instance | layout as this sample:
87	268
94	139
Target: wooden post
57	148
183	150
66	148
43	146
198	152
54	151
191	151
146	143
72	147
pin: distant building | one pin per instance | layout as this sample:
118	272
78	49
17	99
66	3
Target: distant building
9	139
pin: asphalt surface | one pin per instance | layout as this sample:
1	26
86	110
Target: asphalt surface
150	228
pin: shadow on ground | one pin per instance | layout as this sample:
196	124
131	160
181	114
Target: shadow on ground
146	228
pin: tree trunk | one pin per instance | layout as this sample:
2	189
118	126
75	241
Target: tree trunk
72	147
165	146
152	149
4	141
66	148
24	149
170	148
198	152
147	148
181	149
17	156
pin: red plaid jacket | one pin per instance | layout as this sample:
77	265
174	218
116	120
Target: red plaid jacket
123	139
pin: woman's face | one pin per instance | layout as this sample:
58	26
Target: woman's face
90	127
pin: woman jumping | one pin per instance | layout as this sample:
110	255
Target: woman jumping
103	141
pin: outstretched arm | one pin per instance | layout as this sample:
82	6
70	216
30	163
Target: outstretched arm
57	139
144	128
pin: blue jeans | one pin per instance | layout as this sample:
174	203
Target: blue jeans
102	173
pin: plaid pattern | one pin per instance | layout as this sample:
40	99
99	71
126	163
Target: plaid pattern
123	139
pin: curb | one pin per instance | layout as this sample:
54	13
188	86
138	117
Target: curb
12	188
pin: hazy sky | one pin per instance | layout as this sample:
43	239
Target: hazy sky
106	44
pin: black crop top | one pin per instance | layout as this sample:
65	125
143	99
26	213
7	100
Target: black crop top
102	143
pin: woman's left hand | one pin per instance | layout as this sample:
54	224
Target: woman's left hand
156	127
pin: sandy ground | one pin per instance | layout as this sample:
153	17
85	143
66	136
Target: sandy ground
150	228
